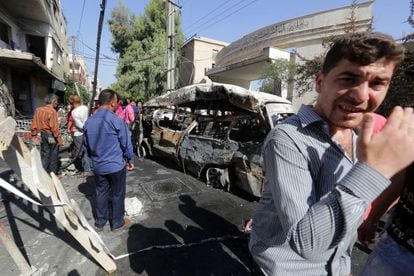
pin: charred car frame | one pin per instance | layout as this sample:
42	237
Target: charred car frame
214	131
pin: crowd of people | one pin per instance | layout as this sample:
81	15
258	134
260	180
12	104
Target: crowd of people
102	148
324	166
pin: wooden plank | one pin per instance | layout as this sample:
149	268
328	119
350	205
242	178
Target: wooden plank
48	189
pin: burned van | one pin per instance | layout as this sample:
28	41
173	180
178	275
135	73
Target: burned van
215	131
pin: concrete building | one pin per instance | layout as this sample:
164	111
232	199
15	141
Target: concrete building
197	56
33	51
244	60
78	70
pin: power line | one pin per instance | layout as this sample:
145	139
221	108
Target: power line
224	11
81	17
212	24
117	61
192	24
101	54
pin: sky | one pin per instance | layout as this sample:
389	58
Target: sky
224	20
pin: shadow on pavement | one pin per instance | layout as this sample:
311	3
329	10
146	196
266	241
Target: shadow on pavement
87	187
229	257
38	219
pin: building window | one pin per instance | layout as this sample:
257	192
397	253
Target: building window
59	58
56	10
5	33
57	53
37	46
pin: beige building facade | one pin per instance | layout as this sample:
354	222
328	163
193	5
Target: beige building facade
198	56
297	39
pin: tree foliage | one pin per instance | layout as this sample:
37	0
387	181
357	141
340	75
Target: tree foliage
278	74
401	91
70	89
306	74
140	42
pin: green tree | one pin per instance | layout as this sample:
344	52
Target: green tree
70	89
277	74
140	42
401	91
122	27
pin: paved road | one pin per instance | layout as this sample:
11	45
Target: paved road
177	210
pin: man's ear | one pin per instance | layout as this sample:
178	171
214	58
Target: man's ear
318	82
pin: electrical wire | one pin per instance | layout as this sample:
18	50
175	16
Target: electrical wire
221	13
80	20
192	24
192	68
227	16
93	50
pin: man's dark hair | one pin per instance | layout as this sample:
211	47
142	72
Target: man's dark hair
106	96
363	49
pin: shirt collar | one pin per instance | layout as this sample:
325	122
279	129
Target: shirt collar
308	116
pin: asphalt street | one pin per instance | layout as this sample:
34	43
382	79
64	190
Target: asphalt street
184	228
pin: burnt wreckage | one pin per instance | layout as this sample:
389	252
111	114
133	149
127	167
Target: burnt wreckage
214	131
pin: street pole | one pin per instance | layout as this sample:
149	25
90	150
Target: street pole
74	65
98	46
171	8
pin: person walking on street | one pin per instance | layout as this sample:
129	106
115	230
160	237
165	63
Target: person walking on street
129	114
108	144
119	110
45	123
324	166
79	116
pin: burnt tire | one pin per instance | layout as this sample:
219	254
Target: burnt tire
218	178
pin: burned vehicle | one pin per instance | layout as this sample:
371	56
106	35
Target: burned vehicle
214	131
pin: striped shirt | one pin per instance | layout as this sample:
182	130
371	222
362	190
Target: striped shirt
313	200
45	119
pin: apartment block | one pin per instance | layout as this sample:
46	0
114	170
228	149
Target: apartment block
33	52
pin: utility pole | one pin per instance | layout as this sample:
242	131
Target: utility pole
171	8
98	46
74	64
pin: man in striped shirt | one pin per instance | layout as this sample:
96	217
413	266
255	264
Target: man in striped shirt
319	176
45	123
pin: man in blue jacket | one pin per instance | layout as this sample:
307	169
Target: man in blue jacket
108	144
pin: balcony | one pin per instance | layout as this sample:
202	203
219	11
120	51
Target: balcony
37	10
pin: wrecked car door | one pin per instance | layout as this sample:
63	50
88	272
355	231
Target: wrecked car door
167	132
223	143
207	145
249	132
